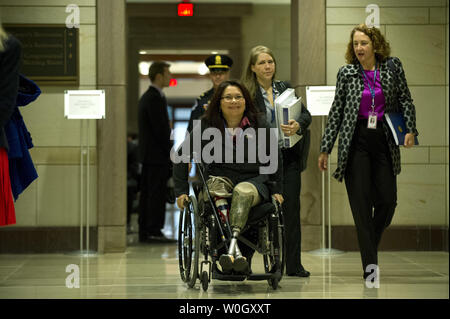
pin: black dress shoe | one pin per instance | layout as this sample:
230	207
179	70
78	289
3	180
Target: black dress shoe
240	264
160	239
226	262
156	239
301	273
143	238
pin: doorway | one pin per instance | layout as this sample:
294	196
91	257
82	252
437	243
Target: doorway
155	33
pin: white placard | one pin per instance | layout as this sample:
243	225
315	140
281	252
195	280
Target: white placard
84	104
319	99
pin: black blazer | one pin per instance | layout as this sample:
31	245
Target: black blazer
199	107
299	152
9	83
154	129
238	172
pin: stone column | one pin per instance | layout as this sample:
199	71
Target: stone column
308	58
111	134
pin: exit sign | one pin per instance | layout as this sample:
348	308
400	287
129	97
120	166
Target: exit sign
185	9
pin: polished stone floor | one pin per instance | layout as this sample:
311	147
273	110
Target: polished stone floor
151	271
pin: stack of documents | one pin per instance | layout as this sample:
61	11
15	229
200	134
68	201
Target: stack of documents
288	107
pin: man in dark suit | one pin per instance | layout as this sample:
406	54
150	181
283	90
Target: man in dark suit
133	175
154	152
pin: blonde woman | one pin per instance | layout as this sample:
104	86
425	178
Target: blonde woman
259	78
10	51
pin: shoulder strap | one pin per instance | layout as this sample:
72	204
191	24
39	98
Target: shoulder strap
281	85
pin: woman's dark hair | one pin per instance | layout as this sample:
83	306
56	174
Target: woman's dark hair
213	114
380	45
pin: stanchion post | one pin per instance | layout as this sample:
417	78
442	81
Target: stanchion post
84	105
320	100
329	207
81	185
87	187
323	198
326	251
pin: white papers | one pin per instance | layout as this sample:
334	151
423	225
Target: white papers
288	107
84	104
319	99
393	130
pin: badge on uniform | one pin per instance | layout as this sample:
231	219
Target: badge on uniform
372	120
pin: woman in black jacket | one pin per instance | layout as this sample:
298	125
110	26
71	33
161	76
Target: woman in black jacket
369	86
259	78
230	128
10	51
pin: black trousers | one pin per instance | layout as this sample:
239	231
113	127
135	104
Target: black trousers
131	196
152	201
371	188
291	209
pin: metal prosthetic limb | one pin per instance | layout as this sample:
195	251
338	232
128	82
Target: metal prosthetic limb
245	196
240	206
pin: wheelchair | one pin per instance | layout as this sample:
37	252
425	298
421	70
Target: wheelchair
202	235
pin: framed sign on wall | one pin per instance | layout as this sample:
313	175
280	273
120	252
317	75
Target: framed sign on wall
50	53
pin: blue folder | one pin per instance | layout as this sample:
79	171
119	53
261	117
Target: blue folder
397	125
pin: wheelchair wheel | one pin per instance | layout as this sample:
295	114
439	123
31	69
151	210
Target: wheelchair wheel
282	243
275	261
205	280
189	243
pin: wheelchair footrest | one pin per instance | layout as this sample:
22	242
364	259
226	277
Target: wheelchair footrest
260	276
228	277
239	277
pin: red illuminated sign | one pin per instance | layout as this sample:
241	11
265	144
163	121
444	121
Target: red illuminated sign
173	82
185	9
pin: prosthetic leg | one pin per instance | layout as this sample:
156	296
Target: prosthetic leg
245	196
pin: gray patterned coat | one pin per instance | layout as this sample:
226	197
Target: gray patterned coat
344	110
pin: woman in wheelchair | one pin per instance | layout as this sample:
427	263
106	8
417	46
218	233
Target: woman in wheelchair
231	112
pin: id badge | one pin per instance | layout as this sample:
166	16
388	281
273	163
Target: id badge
372	120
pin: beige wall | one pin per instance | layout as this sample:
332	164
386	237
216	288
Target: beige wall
54	198
269	25
447	106
417	31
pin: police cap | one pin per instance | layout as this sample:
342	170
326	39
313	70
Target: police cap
219	62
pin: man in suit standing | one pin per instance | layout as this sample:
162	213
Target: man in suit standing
154	153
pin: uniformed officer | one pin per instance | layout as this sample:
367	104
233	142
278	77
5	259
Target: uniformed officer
219	70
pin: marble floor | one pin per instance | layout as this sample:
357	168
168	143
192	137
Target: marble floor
151	271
